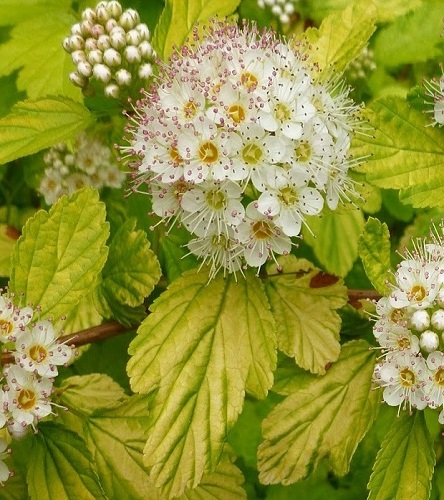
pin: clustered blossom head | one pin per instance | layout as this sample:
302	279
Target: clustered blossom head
89	163
434	88
112	47
239	143
282	9
410	329
26	386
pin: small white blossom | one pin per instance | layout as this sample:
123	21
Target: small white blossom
38	351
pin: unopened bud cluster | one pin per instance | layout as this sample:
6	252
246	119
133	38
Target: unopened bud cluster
282	9
112	47
90	163
361	67
27	384
410	330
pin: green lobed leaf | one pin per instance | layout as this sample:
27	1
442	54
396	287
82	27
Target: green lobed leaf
16	11
61	466
327	418
34	125
84	315
129	275
374	250
116	438
341	38
402	42
386	10
303	302
223	484
7	239
44	65
88	393
203	346
179	17
404	464
335	243
405	153
57	259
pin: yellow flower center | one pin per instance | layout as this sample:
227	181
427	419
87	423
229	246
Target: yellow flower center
439	377
262	230
5	327
407	377
417	293
220	240
252	154
189	110
303	151
404	343
38	353
236	113
174	155
288	195
27	399
282	112
208	152
248	80
216	199
180	188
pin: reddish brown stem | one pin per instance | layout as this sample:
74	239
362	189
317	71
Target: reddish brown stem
94	334
113	328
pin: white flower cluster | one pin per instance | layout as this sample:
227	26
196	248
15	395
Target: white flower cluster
239	143
26	386
434	88
111	46
282	9
410	330
91	163
361	67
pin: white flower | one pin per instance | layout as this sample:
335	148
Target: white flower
289	200
261	237
212	204
435	89
38	351
289	107
416	284
404	376
259	155
435	388
27	395
218	251
13	320
395	337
